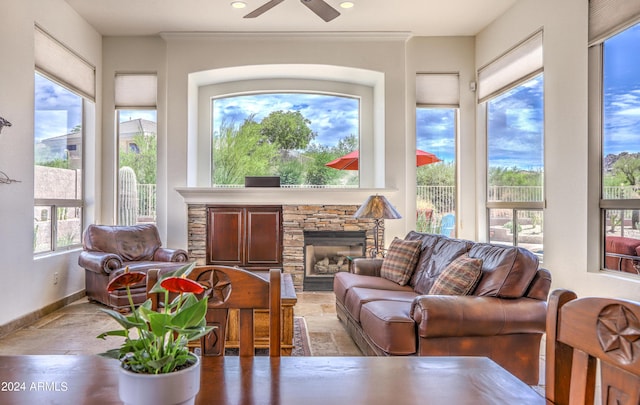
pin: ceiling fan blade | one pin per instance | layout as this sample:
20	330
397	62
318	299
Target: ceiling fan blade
322	9
263	8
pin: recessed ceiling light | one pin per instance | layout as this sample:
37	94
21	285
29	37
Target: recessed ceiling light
347	4
238	4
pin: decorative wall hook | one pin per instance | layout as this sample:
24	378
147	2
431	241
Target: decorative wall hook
5	179
4	123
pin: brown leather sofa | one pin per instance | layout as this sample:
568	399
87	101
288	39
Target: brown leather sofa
109	249
503	318
621	253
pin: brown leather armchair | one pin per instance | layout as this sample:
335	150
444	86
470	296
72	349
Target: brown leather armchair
108	250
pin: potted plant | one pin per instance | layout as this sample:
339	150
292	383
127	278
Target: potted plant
156	365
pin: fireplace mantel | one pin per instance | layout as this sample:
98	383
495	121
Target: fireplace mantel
275	195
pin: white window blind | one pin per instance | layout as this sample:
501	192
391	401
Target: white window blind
608	17
438	89
63	65
136	90
511	68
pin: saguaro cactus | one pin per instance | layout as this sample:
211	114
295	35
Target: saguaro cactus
127	197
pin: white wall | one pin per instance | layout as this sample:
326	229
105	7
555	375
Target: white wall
27	284
188	54
447	55
569	239
131	55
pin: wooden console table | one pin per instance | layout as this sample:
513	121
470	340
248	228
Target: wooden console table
261	319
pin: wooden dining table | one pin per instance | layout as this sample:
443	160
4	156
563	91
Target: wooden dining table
67	379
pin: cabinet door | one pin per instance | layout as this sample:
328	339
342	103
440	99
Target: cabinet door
264	236
225	236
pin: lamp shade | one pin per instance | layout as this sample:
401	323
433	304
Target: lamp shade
378	207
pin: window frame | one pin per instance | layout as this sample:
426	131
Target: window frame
514	206
54	203
456	129
364	93
357	99
596	133
130	146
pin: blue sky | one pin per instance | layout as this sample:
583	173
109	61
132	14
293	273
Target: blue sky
332	117
435	132
622	92
57	110
515	127
515	118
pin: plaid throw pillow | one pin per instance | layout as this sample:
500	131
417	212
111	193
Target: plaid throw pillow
459	277
400	261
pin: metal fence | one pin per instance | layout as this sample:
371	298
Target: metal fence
439	199
146	202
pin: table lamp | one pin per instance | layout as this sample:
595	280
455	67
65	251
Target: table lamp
378	208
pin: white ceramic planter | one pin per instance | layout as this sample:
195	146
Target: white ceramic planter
177	388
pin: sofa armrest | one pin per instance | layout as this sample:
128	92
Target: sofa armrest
366	267
170	255
99	262
448	315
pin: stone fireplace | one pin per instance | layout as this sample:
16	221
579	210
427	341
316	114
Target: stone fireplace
296	219
327	253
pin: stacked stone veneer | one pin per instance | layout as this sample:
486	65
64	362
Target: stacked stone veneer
295	220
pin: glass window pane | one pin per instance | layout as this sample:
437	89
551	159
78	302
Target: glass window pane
515	143
621	120
42	229
291	135
622	238
436	172
58	141
137	168
68	226
530	230
501	226
58	155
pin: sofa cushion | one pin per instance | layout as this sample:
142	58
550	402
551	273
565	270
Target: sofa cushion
459	278
507	271
359	296
400	261
343	282
389	326
444	252
429	242
624	246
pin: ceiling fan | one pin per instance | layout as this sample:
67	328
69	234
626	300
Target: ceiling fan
320	7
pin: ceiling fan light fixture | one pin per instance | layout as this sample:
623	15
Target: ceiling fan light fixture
238	4
347	4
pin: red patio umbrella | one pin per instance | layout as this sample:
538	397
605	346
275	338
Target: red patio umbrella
350	160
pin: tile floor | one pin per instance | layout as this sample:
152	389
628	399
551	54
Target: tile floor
73	330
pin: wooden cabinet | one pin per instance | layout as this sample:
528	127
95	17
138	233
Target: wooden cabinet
245	236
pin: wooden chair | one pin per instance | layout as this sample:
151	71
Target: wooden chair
584	332
235	288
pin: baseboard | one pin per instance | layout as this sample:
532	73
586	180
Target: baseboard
34	316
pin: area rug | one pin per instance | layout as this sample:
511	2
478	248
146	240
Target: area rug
301	341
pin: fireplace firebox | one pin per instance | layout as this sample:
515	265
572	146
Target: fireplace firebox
327	253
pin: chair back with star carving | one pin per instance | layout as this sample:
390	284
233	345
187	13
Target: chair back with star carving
584	333
234	294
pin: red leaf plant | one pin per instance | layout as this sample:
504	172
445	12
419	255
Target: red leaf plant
159	342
